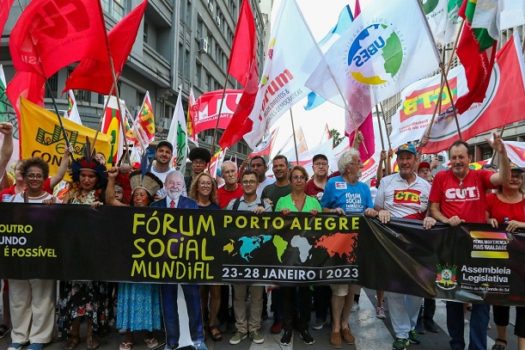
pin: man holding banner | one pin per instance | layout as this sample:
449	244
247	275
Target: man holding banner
404	195
457	196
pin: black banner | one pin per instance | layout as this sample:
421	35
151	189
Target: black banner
469	263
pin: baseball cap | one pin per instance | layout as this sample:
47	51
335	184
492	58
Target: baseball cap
164	143
407	147
423	165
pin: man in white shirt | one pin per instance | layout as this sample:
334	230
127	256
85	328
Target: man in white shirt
404	195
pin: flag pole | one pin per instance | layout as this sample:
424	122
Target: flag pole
347	109
384	121
380	131
294	139
444	73
220	112
115	85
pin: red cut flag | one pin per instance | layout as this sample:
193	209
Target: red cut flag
28	85
5	6
242	55
51	34
94	72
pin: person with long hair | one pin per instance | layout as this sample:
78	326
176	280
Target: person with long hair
84	299
506	209
138	304
297	201
204	191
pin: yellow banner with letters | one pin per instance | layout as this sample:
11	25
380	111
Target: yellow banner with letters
41	136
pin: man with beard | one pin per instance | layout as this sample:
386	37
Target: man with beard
162	164
404	195
174	185
457	196
258	164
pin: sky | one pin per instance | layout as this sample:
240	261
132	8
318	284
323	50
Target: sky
320	16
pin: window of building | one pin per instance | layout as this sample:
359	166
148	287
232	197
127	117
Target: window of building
145	33
52	86
180	66
187	64
198	74
188	12
115	8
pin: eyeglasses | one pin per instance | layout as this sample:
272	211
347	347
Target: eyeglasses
249	182
298	178
35	176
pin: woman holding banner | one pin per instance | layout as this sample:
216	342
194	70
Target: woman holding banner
32	302
506	208
138	304
84	299
297	201
204	191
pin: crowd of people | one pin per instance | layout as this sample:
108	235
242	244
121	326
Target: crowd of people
32	310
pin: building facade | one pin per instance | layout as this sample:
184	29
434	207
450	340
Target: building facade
180	43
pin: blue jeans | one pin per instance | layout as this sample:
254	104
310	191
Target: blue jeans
479	321
171	314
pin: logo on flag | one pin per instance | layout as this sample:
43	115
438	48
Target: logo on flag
376	55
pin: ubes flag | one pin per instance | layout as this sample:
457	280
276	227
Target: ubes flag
381	52
41	136
205	111
94	72
51	34
504	102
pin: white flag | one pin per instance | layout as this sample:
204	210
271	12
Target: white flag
291	56
443	19
512	14
72	110
487	16
386	48
178	134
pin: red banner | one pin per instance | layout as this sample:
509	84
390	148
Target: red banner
205	111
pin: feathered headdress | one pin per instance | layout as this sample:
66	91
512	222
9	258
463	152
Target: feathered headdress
88	162
143	178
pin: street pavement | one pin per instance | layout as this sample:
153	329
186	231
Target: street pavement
371	334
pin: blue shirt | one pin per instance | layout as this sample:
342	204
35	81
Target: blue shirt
352	198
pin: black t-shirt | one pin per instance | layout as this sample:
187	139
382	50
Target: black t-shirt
274	192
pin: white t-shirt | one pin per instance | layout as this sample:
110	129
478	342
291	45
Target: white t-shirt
162	177
267	181
19	198
401	199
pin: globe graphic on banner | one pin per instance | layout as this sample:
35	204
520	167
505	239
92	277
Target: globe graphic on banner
375	56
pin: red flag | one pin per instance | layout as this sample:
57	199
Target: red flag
243	66
5	6
26	84
503	105
51	34
94	73
478	67
240	123
242	55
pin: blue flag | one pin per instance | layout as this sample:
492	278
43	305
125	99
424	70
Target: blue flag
343	23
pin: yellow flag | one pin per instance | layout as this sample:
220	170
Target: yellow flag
41	136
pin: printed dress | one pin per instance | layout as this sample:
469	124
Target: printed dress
88	299
138	307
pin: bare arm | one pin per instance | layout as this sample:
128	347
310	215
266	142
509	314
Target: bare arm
64	163
7	146
110	189
503	175
435	212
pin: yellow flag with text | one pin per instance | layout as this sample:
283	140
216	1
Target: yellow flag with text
41	136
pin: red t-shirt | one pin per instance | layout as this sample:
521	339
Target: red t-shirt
312	189
224	197
500	210
7	193
466	199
